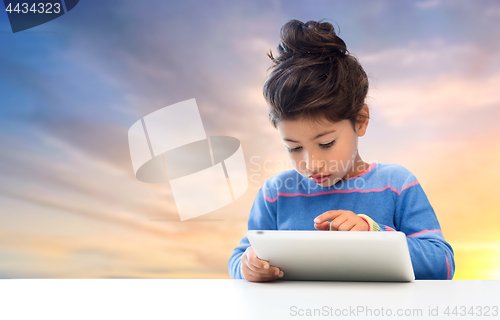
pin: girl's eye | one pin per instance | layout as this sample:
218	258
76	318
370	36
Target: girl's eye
294	149
327	145
324	146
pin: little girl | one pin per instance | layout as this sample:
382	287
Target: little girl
316	93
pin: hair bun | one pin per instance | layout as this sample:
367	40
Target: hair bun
314	77
312	37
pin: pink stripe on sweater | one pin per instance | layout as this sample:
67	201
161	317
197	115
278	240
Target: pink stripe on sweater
364	172
408	185
370	168
448	265
423	231
270	200
339	191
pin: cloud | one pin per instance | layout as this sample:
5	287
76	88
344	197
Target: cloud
493	11
428	81
434	101
427	4
430	58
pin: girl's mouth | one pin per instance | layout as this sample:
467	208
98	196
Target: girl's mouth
319	178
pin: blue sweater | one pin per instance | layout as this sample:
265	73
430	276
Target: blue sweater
388	196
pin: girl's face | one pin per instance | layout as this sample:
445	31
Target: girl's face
324	151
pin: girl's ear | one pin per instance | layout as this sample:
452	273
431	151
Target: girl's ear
363	119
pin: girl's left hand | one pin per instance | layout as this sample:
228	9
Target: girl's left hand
342	220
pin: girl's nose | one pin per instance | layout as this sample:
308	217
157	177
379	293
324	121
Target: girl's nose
313	163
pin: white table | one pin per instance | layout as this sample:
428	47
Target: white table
239	299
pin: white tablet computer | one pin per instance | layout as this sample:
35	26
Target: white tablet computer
335	255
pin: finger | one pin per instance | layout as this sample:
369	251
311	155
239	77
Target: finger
273	272
254	260
253	268
329	215
347	225
258	263
256	267
253	273
334	225
272	275
360	227
248	258
275	276
261	278
261	266
323	226
248	252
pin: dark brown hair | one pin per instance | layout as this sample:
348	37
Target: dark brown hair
314	76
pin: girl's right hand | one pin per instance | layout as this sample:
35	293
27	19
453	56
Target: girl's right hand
257	270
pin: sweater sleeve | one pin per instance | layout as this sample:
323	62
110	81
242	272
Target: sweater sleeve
262	217
431	256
